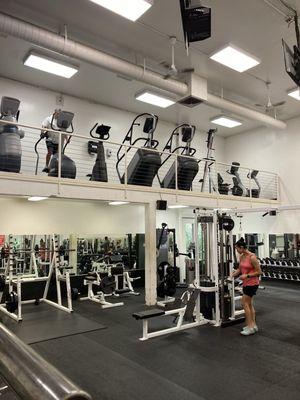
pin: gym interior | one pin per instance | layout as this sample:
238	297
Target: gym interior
147	181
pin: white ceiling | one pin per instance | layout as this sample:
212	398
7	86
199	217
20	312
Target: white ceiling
253	26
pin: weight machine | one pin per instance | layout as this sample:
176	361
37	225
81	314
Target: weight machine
113	266
13	298
212	297
105	286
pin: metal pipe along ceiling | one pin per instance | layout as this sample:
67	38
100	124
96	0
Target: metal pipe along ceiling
52	41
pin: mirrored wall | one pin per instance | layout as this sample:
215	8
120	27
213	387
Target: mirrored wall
285	246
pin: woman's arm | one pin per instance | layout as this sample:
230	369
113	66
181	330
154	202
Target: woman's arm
236	273
256	266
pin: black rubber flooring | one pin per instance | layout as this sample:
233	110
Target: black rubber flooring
204	363
43	322
6	393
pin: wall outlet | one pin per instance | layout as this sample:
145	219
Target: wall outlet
108	153
60	100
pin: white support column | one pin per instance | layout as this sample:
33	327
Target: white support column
150	254
182	247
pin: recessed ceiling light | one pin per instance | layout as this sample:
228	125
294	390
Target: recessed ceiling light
52	66
130	9
295	93
155	99
37	198
118	203
178	206
225	121
235	58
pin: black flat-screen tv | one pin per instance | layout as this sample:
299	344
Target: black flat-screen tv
292	62
196	20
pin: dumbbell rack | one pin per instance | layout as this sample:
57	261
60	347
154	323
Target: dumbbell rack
284	270
13	308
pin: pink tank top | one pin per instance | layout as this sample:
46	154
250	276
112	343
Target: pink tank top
246	267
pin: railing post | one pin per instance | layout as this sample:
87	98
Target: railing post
250	183
278	187
176	172
126	162
126	171
59	161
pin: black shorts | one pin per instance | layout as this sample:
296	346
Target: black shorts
250	290
52	147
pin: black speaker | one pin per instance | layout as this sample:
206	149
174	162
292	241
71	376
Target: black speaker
161	205
196	20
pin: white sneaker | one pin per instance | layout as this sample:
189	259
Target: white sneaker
255	328
247	331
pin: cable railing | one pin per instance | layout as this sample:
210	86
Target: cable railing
141	167
30	376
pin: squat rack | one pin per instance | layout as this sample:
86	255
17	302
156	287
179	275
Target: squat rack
14	300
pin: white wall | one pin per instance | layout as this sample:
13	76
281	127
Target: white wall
38	103
276	151
20	216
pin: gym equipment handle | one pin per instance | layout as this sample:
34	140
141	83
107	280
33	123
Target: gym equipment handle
31	377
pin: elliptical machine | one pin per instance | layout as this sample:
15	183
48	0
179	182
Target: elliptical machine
188	166
68	167
10	136
239	189
144	165
99	172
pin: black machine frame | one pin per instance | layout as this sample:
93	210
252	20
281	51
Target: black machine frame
149	142
186	151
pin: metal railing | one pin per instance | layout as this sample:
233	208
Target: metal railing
213	178
30	376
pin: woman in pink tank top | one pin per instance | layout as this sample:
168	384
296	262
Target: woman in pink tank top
249	272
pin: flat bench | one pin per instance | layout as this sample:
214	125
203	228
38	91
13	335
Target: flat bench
186	316
148	314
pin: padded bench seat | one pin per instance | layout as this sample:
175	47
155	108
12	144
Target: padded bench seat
148	314
122	291
90	278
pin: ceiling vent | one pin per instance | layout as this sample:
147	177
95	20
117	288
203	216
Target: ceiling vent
197	91
190	101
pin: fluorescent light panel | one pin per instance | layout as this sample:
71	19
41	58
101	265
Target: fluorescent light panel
178	206
118	203
222	120
235	58
37	198
130	9
295	93
154	99
49	65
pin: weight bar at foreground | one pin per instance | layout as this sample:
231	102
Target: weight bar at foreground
31	377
